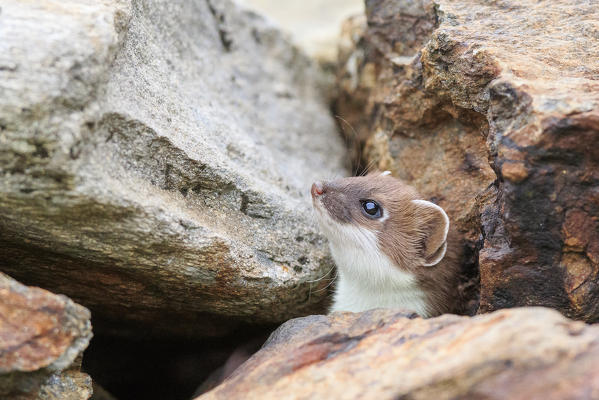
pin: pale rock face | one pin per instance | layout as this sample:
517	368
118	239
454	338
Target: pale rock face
156	158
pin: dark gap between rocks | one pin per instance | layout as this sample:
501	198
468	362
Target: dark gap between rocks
166	368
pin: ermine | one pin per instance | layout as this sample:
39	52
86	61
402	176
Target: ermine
392	249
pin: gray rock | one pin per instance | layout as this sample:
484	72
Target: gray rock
156	158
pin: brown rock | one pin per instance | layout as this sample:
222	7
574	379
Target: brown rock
577	229
483	109
41	335
593	250
522	353
577	269
514	171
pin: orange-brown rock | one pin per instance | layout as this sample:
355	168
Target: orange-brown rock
491	110
41	337
521	353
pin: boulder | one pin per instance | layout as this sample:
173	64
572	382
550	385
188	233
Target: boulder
492	111
42	337
520	353
156	159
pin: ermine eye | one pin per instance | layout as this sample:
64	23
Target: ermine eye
371	208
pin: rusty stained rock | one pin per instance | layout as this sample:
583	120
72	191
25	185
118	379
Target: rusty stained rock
521	353
42	336
492	111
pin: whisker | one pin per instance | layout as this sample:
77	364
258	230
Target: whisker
316	280
368	167
359	160
330	283
348	124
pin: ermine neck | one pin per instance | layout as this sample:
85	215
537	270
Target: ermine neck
369	268
352	295
368	280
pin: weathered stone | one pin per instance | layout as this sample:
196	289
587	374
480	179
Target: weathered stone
156	158
577	270
41	337
483	108
521	353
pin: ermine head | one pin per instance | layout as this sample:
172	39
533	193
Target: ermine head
378	213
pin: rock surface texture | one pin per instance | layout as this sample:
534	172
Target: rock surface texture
491	110
521	353
155	162
42	336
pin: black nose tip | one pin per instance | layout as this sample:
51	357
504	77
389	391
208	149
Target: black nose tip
317	189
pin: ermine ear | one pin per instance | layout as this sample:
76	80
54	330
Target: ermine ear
434	228
376	172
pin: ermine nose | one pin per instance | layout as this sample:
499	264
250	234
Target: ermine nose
317	189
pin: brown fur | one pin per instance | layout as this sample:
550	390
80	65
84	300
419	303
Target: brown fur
411	235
